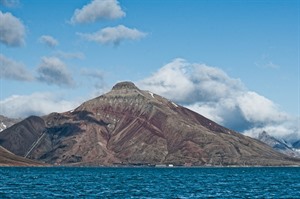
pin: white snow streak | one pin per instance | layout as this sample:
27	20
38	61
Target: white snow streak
152	95
175	104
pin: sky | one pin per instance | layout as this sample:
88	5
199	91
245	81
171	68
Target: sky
235	62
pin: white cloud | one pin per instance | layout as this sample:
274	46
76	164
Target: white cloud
271	65
209	110
189	83
257	108
12	31
287	130
113	35
48	40
11	69
265	62
267	65
21	106
98	10
53	71
212	93
163	82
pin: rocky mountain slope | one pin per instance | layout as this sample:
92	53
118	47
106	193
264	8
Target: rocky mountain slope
9	159
6	122
280	145
129	126
6	157
296	145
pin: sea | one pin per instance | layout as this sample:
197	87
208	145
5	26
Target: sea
136	182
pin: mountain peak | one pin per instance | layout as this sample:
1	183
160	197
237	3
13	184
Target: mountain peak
124	85
263	135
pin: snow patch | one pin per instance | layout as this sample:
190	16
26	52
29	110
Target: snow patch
152	95
2	127
175	104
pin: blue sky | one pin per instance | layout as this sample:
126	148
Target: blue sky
61	53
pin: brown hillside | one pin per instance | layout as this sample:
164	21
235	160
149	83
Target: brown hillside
9	159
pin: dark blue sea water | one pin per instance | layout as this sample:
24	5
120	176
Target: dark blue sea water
65	182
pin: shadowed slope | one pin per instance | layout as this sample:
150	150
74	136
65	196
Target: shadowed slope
9	159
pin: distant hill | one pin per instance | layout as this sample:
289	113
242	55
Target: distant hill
6	122
296	144
291	149
129	126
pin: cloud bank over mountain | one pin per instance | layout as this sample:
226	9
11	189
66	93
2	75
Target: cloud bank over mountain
226	100
60	54
39	103
207	90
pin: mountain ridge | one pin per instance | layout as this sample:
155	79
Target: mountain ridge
6	122
129	126
9	159
280	145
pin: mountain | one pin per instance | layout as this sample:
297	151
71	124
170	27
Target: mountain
296	144
129	126
296	147
9	159
6	157
279	145
6	122
19	138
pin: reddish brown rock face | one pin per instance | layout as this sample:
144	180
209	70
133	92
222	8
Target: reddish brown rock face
130	126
